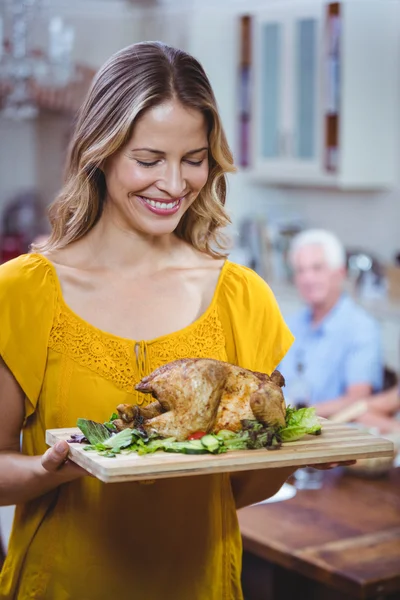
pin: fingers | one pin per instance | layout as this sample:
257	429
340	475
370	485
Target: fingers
55	457
55	460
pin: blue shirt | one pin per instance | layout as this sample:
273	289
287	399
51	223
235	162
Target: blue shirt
342	350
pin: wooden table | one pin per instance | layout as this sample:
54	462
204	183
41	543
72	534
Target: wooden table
342	541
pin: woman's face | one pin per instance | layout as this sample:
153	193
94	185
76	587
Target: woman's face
152	181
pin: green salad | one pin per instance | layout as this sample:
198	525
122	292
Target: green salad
103	439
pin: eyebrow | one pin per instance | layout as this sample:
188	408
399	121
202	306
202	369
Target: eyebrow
162	152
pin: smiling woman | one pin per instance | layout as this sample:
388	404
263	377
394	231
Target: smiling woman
133	276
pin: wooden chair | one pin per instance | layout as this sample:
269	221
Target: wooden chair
390	378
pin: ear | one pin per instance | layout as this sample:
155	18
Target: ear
341	275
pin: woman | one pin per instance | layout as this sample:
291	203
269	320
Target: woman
134	254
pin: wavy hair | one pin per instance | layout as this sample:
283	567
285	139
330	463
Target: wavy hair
132	81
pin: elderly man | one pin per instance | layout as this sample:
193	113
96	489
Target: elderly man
336	358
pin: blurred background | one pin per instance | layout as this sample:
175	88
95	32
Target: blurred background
309	94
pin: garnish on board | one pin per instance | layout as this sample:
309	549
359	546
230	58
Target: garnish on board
254	435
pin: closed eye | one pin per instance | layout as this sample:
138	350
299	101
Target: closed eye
193	163
146	164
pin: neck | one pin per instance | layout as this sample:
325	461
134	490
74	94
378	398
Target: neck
320	311
112	246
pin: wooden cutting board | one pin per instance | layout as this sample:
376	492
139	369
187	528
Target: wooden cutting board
336	443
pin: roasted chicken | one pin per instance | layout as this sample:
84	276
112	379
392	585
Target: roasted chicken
205	395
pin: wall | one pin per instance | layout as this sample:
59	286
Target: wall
17	158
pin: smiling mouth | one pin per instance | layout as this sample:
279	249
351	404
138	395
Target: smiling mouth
161	207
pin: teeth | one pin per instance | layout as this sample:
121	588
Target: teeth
164	205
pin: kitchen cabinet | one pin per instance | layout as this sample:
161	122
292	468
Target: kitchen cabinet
326	92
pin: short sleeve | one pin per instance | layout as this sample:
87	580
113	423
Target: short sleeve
364	362
27	300
257	336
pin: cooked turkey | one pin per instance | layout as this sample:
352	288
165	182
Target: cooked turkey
205	395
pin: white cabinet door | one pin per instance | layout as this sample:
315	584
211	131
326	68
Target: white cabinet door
287	109
271	81
270	92
306	128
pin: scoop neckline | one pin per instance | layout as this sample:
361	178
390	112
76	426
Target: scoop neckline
161	338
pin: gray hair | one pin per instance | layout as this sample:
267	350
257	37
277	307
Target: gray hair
333	249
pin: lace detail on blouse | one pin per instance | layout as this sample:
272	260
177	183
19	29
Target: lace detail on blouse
126	362
109	357
204	339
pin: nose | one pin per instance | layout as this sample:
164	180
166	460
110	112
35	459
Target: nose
173	182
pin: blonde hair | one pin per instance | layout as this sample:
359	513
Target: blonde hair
130	82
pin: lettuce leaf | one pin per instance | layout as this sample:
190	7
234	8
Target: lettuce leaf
96	433
152	446
299	423
116	442
306	418
291	434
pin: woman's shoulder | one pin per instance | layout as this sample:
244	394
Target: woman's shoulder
27	309
242	280
257	336
244	296
25	274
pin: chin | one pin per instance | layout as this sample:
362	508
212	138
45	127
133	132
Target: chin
158	229
313	299
318	301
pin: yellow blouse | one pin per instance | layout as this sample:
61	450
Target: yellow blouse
176	539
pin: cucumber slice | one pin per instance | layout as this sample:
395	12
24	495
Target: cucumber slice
190	447
193	445
190	450
211	443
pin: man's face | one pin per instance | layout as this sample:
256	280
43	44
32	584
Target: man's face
317	283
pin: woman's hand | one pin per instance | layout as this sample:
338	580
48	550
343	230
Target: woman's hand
250	487
55	460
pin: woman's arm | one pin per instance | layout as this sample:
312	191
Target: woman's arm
23	478
254	486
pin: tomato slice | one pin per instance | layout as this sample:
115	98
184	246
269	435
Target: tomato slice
197	435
